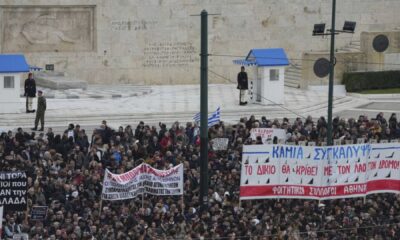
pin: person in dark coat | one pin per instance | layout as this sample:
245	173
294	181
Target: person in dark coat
30	92
242	81
41	108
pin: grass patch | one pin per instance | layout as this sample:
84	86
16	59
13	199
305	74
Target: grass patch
381	91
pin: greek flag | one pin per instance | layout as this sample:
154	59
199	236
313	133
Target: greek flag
212	120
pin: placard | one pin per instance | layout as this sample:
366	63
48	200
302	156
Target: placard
219	144
267	134
20	236
309	172
39	213
13	189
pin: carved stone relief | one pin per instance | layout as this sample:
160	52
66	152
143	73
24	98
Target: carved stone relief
48	29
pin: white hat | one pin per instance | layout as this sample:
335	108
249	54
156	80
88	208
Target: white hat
75	194
255	221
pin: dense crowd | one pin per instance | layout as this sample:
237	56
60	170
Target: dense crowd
65	173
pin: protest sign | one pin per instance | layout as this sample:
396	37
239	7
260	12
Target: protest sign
267	134
219	144
143	179
13	191
21	236
310	172
39	213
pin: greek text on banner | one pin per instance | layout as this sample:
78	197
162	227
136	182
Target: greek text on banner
13	190
283	171
267	134
143	179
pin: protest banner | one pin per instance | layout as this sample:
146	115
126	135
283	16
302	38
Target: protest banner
220	144
267	134
310	172
141	180
21	236
13	190
39	213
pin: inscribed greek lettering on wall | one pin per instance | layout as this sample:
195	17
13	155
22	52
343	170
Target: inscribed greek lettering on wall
133	25
143	179
282	171
13	189
169	54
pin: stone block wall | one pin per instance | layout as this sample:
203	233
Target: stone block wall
380	61
157	41
345	62
365	60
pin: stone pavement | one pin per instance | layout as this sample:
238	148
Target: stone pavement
167	103
97	91
375	103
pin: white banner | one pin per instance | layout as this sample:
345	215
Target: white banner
267	134
21	236
143	179
282	171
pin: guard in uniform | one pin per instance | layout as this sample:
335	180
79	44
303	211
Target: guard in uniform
41	109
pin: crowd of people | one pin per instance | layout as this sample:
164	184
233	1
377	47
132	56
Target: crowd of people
65	173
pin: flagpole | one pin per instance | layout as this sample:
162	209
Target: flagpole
183	206
183	191
1	220
101	206
27	210
102	189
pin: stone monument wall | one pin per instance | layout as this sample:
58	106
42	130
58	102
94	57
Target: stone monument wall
157	41
48	29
